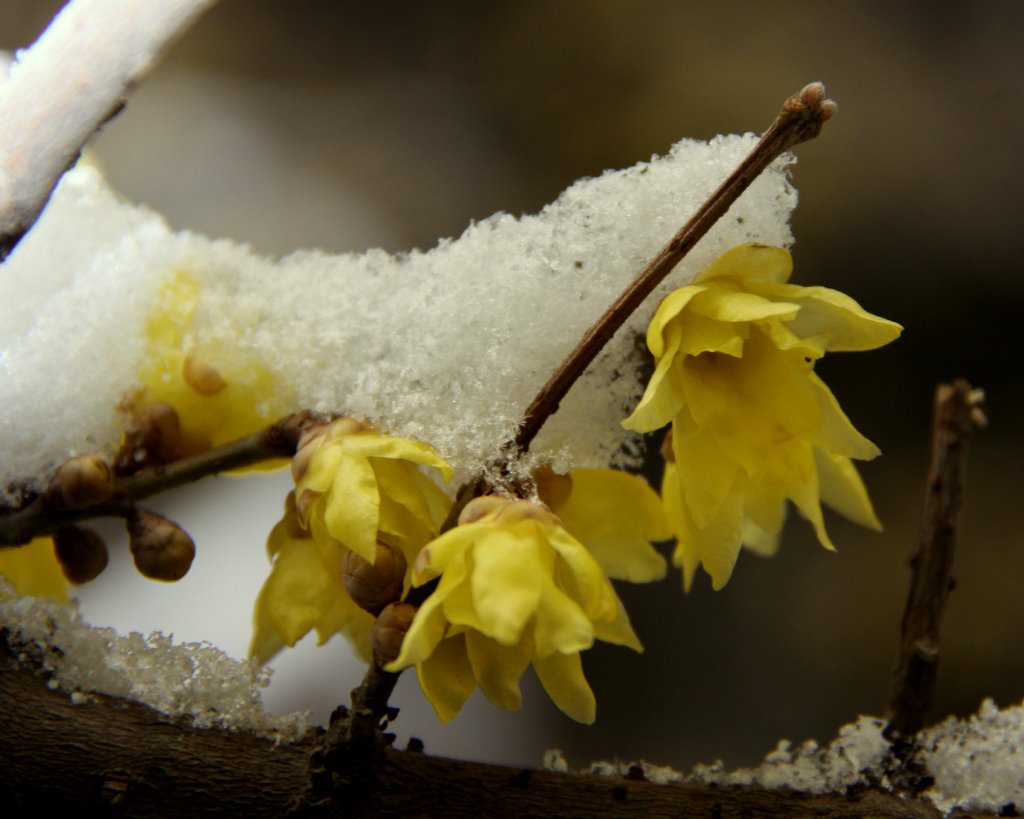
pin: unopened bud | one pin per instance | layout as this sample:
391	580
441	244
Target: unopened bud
481	507
81	482
153	437
552	488
162	549
373	585
389	630
201	376
81	553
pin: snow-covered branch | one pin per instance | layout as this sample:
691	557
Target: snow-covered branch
63	88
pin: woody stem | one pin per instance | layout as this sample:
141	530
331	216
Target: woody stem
800	120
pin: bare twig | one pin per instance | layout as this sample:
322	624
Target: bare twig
800	120
957	409
66	86
40	518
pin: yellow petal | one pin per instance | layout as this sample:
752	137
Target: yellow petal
685	555
561	624
446	678
750	263
424	635
402	484
497	669
34	571
839	320
705	475
506	580
836	433
619	631
664	318
352	508
663	395
371	444
718	542
725	304
842	489
562	677
580	575
615	515
299	596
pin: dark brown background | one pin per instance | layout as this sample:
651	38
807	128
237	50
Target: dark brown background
351	124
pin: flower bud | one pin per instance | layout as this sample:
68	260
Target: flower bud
481	507
373	585
162	549
153	437
201	376
389	630
81	482
81	553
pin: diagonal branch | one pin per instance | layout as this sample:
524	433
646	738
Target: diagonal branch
957	409
66	86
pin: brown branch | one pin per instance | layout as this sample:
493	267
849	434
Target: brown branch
957	409
800	120
40	518
114	757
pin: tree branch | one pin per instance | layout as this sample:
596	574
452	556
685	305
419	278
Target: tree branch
279	440
114	757
800	120
957	409
66	86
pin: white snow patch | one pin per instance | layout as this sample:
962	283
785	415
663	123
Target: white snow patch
447	345
193	680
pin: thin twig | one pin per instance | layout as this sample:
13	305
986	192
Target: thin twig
957	409
66	86
40	518
800	120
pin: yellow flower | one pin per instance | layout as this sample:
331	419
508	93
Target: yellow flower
515	589
354	486
304	592
752	424
614	514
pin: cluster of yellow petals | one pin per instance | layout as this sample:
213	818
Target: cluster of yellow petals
752	424
353	486
517	589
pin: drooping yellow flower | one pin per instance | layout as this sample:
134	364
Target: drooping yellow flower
752	424
354	486
614	514
304	592
515	589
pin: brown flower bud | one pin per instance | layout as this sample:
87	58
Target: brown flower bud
553	489
81	482
82	554
389	630
162	549
152	437
201	376
373	585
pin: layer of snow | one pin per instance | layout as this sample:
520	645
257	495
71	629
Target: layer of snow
976	763
447	345
193	680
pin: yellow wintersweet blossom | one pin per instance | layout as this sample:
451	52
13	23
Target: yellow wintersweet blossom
515	589
614	514
34	571
304	592
752	424
219	393
354	486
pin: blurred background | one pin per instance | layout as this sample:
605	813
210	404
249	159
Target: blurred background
347	125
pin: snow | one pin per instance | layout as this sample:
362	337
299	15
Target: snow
446	345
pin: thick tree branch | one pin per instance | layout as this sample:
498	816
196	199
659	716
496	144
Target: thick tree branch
66	86
801	118
113	757
957	409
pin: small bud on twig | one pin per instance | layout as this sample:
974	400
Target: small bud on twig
373	585
389	630
201	376
80	483
81	553
162	549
